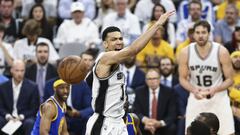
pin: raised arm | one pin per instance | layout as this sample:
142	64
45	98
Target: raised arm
47	117
114	57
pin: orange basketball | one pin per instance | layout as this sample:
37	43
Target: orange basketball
72	69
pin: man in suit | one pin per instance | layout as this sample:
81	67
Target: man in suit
41	71
79	100
155	105
19	99
134	78
166	69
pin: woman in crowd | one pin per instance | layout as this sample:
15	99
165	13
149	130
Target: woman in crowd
38	13
169	30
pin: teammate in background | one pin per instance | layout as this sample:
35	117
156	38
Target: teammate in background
201	69
51	116
108	85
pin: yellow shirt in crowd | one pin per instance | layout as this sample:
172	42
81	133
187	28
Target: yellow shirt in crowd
182	45
151	55
223	6
235	92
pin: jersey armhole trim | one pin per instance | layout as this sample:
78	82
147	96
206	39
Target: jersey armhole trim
55	117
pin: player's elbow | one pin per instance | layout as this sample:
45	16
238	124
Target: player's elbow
182	80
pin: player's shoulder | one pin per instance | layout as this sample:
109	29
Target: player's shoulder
105	56
48	105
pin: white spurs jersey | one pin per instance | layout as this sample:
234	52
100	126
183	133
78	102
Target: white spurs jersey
205	72
108	94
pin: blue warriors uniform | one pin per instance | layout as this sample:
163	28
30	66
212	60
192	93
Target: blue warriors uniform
57	121
131	125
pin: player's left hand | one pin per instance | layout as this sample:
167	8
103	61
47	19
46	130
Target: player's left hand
211	92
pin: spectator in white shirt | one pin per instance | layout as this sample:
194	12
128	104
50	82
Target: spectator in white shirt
105	7
207	10
64	8
125	20
6	51
77	30
25	48
195	11
144	9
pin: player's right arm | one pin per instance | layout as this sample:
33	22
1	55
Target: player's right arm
48	112
184	73
115	57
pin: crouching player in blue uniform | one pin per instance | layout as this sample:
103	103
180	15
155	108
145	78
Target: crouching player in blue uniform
131	121
51	115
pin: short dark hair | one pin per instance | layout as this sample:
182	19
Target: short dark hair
195	2
199	128
109	30
211	120
42	44
203	23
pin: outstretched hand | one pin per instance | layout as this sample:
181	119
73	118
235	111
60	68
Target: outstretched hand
164	17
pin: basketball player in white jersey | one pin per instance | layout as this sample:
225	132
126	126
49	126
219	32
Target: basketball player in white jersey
108	88
202	66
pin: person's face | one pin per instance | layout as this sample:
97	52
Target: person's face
37	13
121	6
88	59
62	91
195	11
237	35
166	67
236	62
18	71
6	8
152	79
230	15
77	16
114	41
158	12
42	54
201	35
